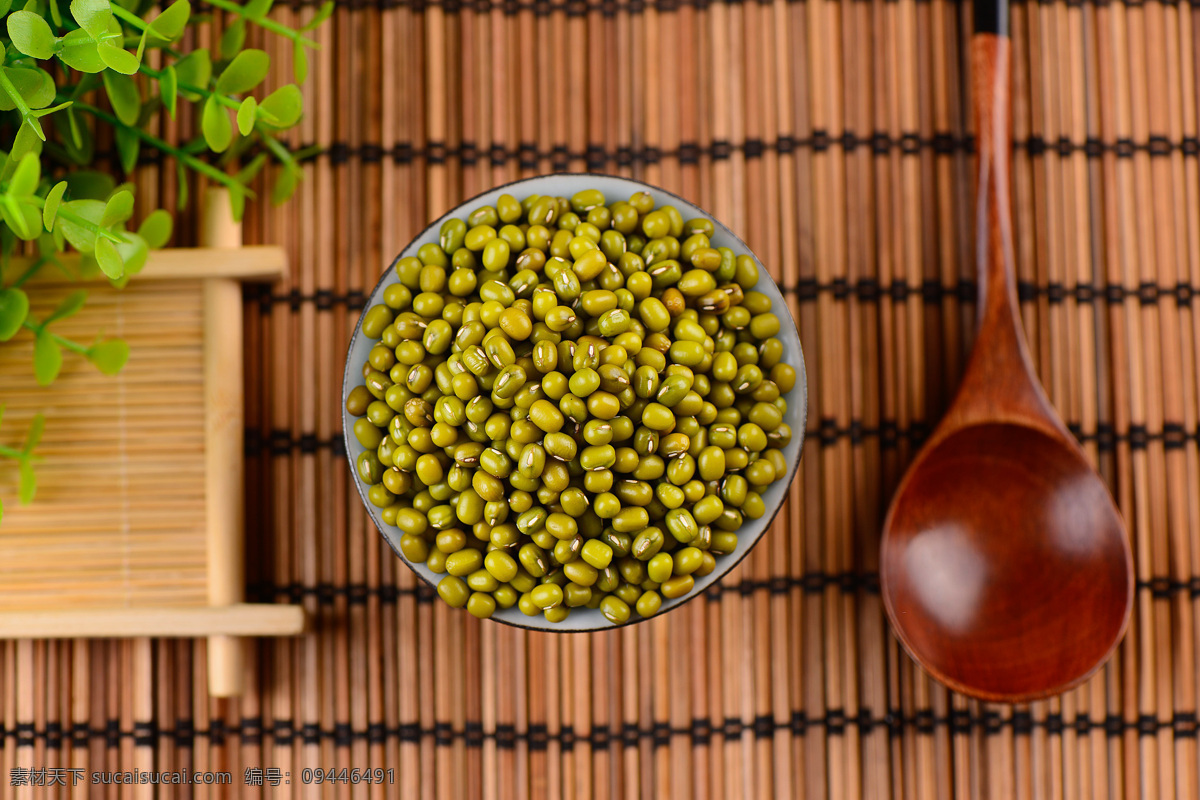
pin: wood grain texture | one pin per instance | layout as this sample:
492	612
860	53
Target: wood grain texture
140	434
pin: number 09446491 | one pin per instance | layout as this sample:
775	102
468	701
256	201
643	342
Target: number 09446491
348	776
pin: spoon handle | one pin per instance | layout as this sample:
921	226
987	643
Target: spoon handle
999	381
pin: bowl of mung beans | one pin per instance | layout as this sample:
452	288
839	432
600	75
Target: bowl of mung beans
573	402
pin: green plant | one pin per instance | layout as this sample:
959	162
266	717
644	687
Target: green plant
119	64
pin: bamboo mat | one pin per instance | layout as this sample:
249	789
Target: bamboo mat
834	138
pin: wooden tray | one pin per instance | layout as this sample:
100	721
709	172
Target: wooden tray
137	527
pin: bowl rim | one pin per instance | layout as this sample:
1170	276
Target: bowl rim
723	569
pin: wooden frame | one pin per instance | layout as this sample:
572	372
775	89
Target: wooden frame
49	533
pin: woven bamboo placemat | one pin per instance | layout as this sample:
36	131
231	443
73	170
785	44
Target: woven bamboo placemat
834	138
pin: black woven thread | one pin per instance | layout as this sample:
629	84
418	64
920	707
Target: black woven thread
1156	145
583	7
700	731
1184	725
473	733
358	593
864	290
812	582
145	734
597	157
600	738
26	734
566	738
538	737
54	735
111	733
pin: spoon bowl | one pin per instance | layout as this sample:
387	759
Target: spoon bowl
1006	563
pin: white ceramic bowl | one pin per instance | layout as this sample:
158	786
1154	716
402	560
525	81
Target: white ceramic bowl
614	188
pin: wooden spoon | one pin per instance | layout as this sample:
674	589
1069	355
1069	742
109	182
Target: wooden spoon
1005	569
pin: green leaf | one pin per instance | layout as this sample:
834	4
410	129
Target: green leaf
28	482
284	105
323	13
299	64
36	427
50	208
109	356
10	210
257	9
118	209
31	34
35	86
22	218
34	126
134	253
110	261
73	124
14	307
114	57
55	14
5	5
80	237
128	148
233	38
156	229
124	96
25	142
168	87
80	52
167	26
245	72
237	203
24	180
92	15
70	305
247	173
218	130
45	91
195	69
47	358
45	112
245	115
170	24
181	181
285	184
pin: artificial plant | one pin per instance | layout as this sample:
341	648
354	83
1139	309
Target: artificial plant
70	71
